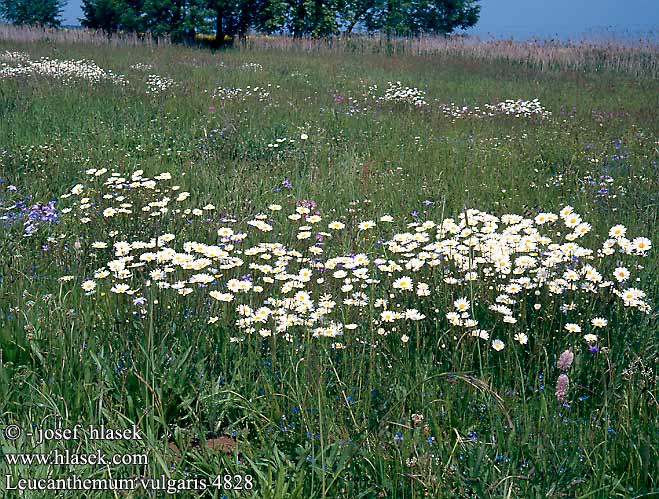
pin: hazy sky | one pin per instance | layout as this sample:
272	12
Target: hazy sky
541	18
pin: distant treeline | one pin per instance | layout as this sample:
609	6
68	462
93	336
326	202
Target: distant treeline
223	20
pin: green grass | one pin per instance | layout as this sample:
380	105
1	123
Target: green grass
309	421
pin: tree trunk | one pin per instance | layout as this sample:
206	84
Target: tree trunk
350	27
219	26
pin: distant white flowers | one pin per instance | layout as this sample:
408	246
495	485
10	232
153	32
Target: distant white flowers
514	108
260	93
141	66
518	108
398	93
251	66
17	64
8	56
157	84
65	70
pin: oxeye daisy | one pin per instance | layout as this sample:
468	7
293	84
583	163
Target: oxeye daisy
120	289
414	315
621	274
599	322
572	220
566	211
157	274
403	283
368	224
226	297
617	231
521	338
541	219
387	316
462	304
481	333
498	345
573	328
641	244
582	228
453	318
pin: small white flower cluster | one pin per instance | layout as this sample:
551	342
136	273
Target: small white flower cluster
370	97
398	93
8	56
239	94
516	108
251	66
64	70
157	84
519	108
141	66
283	142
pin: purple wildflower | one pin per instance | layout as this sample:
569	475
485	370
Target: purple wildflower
307	203
562	385
38	214
565	360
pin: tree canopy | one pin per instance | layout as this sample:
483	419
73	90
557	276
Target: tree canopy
32	12
184	18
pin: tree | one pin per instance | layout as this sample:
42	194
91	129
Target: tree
233	18
354	12
178	18
34	12
414	17
300	17
443	16
182	19
320	18
113	15
247	14
223	12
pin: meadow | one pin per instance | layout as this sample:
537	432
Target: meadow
330	273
